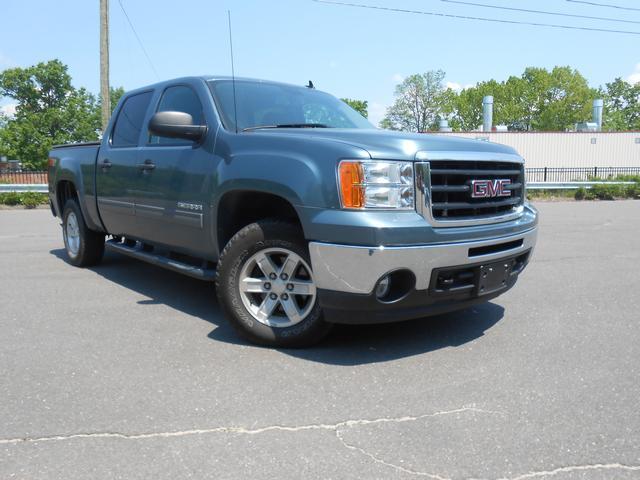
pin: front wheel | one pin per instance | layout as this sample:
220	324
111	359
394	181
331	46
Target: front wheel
265	286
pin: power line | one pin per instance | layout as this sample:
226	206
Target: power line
607	5
482	19
144	50
542	12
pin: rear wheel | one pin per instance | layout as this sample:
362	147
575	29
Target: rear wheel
84	247
265	286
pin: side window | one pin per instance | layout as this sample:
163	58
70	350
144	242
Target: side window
126	131
179	99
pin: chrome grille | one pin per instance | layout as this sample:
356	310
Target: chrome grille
451	188
447	185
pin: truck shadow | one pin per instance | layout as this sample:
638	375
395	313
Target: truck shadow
347	345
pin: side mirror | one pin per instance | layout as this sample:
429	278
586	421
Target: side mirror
176	125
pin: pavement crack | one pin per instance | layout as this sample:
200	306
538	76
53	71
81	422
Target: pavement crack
576	468
400	468
380	461
233	430
338	429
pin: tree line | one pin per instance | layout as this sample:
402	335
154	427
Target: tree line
50	110
538	100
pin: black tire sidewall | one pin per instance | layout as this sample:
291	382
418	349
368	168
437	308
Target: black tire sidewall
91	243
247	242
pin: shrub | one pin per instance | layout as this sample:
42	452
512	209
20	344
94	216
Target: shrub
627	178
607	192
32	199
633	191
580	194
10	198
27	199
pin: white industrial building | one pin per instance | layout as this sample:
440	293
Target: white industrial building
568	149
586	148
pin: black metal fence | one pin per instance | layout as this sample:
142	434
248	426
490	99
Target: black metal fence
573	174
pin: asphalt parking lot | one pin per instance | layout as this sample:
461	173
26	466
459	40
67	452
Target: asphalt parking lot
129	371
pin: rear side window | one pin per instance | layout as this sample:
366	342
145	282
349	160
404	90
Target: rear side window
179	99
126	131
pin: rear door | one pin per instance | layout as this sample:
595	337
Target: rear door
173	186
117	166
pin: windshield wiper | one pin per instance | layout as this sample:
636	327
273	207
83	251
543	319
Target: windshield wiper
288	125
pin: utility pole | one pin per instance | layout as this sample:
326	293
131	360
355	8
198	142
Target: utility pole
104	63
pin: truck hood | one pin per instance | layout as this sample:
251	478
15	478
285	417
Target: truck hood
390	145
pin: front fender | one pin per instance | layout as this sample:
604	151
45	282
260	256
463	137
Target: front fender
295	178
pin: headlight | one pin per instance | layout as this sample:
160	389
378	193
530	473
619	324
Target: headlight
376	184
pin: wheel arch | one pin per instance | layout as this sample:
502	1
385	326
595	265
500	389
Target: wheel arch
239	208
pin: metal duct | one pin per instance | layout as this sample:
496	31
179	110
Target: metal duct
487	113
598	107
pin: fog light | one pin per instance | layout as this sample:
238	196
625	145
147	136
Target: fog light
382	289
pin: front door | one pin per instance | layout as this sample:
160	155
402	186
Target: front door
117	166
174	181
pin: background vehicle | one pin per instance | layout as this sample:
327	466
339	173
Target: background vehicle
301	212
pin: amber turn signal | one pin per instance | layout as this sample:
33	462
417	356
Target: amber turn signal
351	188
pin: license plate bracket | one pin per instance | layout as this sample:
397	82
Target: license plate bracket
494	276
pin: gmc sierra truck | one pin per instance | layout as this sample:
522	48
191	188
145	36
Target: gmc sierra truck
301	212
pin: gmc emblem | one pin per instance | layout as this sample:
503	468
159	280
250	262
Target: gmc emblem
490	188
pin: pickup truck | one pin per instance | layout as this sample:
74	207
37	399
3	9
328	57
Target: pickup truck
302	213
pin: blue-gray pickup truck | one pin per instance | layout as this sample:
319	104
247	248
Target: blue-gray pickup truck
301	212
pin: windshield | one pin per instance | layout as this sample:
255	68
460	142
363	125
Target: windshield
261	104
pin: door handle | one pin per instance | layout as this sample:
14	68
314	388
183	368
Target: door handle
106	164
147	166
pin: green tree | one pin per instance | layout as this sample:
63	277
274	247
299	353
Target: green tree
49	111
360	106
621	106
538	100
420	101
468	105
562	98
115	94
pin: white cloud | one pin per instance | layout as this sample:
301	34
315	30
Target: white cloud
635	76
397	78
377	112
8	110
457	87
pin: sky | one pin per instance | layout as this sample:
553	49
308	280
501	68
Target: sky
348	51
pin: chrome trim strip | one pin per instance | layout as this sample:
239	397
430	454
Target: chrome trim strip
148	211
356	269
119	203
117	206
424	155
422	174
189	219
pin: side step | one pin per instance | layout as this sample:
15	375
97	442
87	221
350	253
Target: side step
206	274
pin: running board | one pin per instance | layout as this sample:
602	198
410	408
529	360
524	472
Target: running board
206	274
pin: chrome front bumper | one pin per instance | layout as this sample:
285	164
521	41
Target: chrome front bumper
356	269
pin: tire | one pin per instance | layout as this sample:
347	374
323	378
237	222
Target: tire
84	247
252	257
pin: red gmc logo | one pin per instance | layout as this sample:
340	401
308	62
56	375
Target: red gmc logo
490	188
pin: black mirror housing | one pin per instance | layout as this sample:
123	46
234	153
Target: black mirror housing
176	125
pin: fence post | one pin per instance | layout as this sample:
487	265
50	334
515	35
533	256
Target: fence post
545	174
595	172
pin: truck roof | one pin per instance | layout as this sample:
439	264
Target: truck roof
206	78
